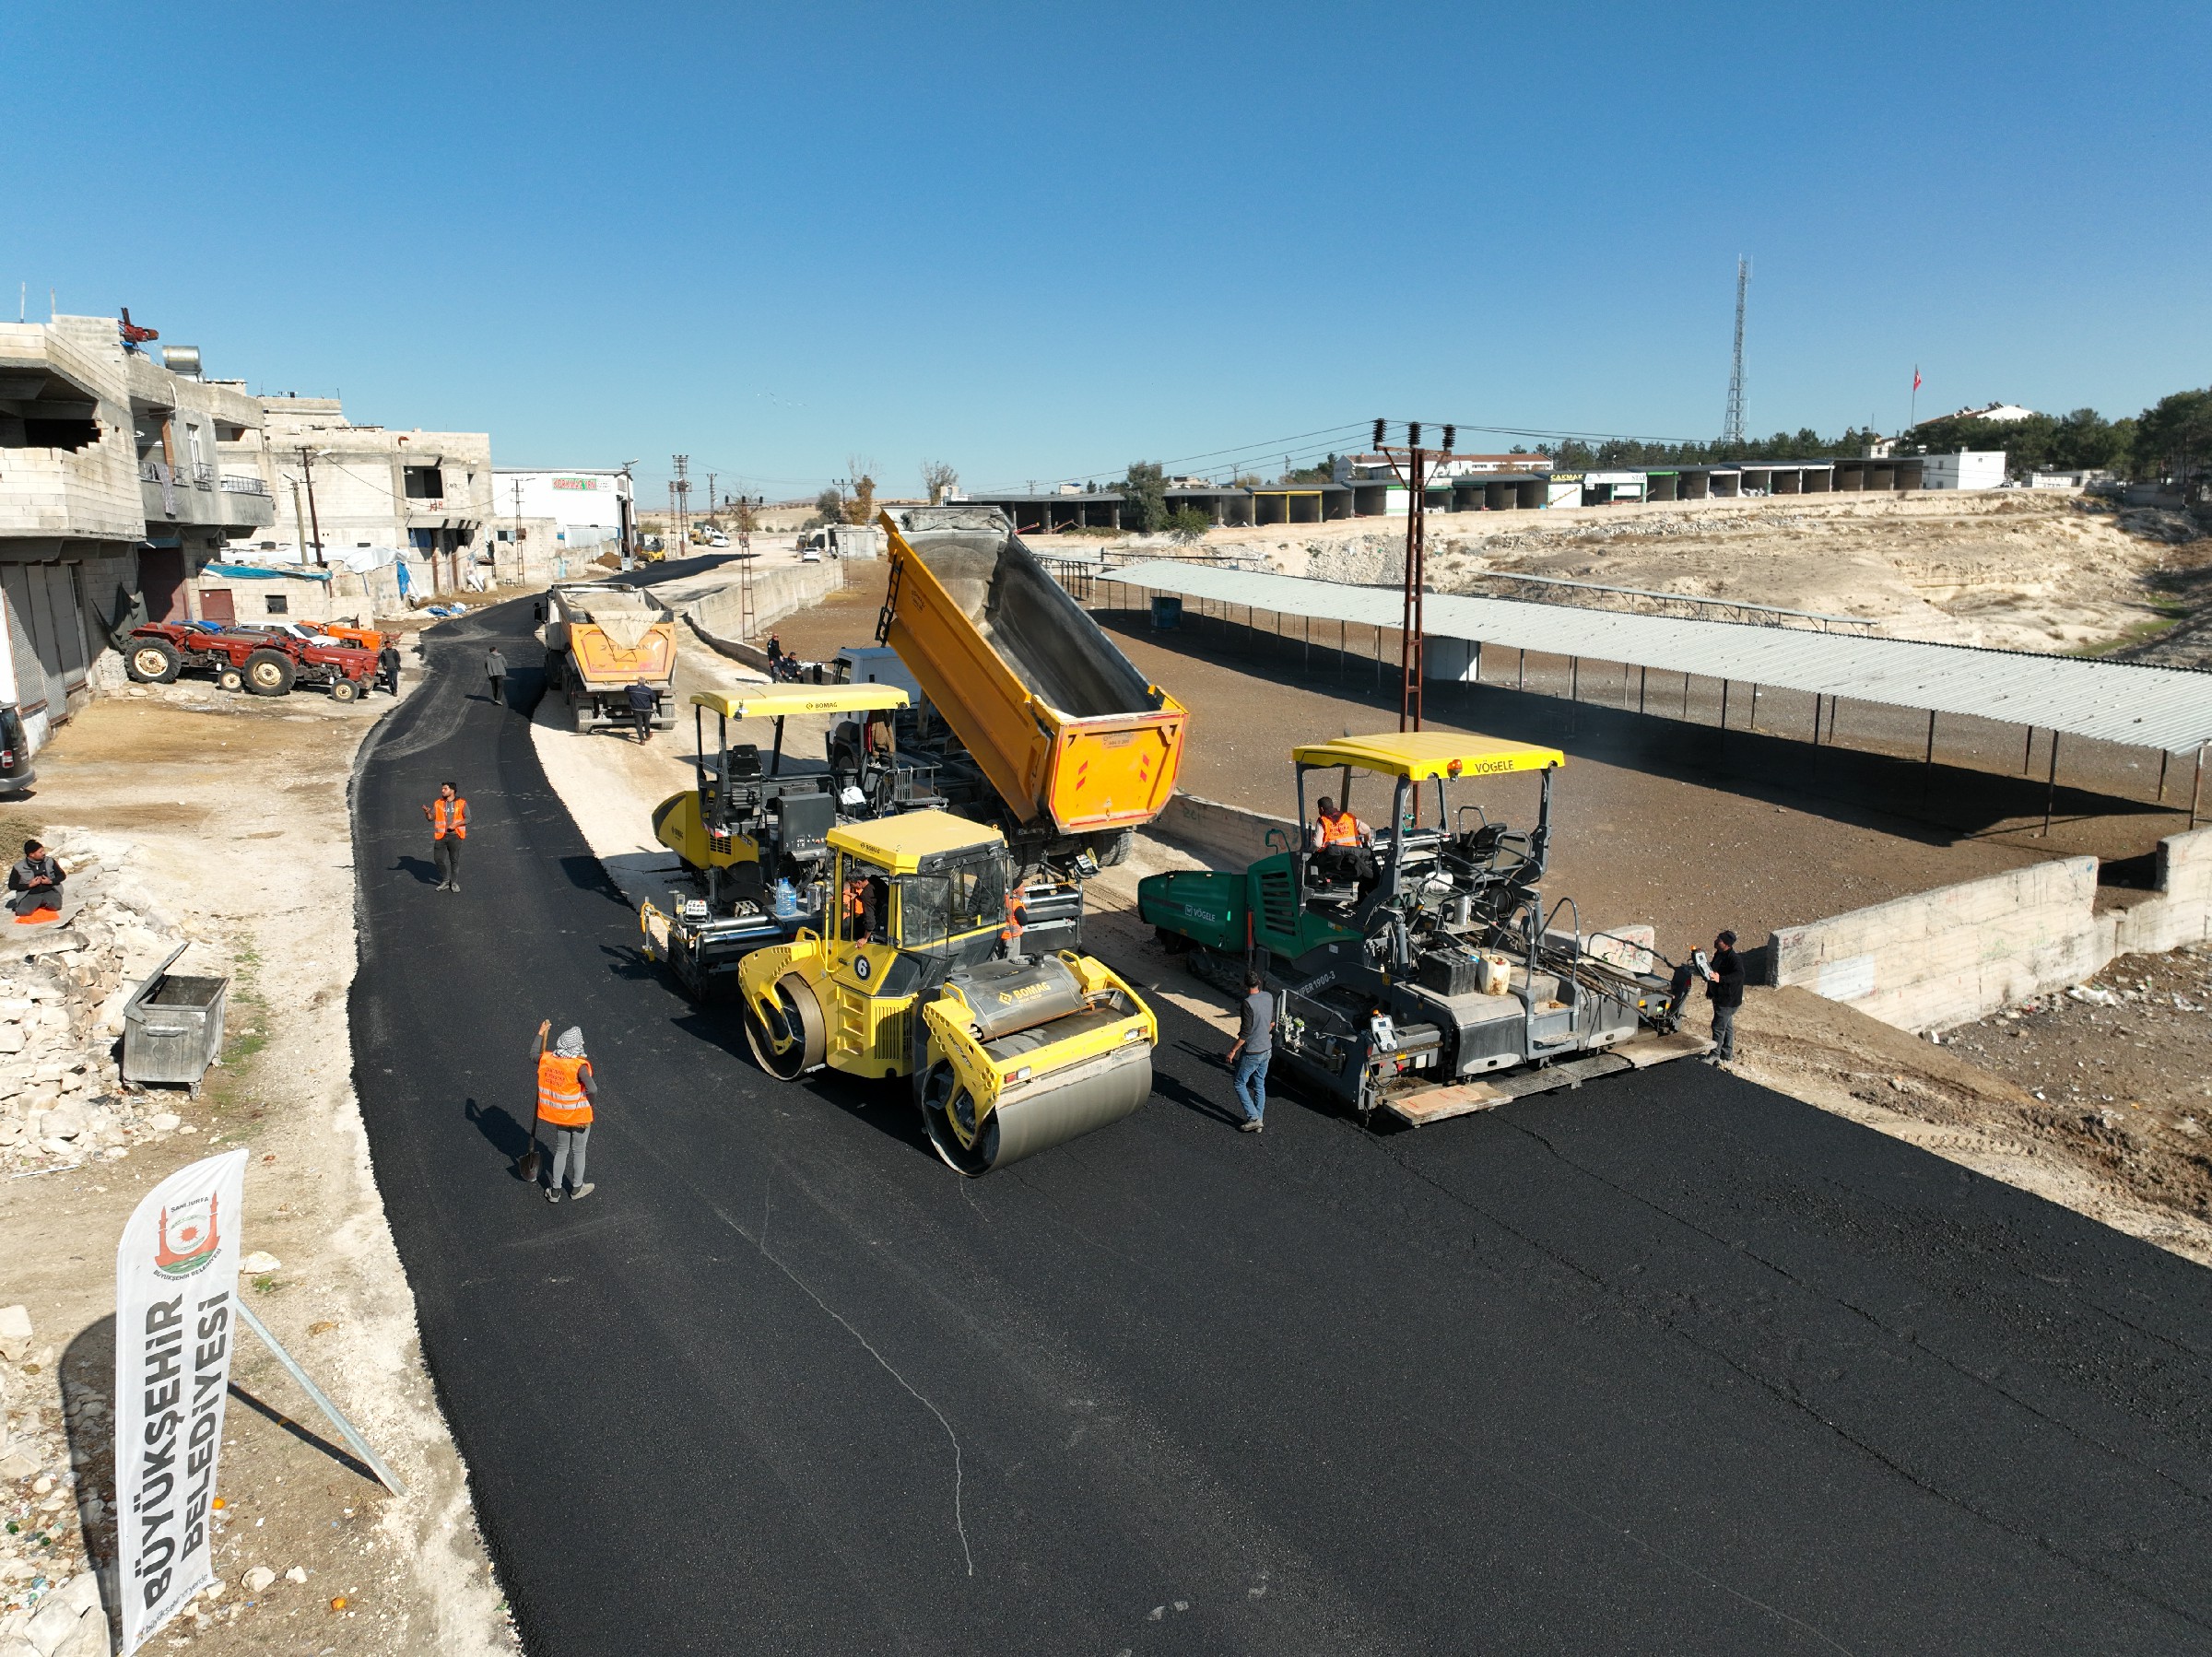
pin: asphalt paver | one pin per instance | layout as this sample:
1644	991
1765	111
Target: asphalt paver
1668	1363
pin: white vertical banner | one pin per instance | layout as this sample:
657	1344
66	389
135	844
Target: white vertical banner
176	1275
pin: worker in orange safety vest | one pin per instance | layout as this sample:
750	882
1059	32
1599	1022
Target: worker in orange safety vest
1334	827
448	827
565	1094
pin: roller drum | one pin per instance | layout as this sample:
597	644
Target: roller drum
1050	1110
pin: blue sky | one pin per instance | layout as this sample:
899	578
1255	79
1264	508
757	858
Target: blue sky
1041	242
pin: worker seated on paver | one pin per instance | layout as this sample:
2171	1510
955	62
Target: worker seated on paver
1335	828
1342	846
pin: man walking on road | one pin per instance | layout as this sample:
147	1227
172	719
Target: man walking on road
642	703
1724	988
495	669
565	1092
1255	1045
387	666
448	827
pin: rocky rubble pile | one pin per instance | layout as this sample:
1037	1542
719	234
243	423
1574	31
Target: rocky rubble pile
63	988
2156	524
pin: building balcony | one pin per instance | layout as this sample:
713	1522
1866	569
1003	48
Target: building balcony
199	496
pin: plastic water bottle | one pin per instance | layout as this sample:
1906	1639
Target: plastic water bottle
787	901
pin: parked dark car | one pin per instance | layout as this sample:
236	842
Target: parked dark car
16	769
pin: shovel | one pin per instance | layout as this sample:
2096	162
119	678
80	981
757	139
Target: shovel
526	1168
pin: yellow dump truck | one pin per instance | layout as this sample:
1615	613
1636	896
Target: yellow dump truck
1005	1057
1035	720
600	640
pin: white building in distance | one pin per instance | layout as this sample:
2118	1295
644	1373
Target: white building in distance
585	505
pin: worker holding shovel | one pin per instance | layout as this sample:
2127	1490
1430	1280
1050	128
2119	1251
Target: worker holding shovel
565	1092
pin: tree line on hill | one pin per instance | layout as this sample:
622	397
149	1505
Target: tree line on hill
2169	440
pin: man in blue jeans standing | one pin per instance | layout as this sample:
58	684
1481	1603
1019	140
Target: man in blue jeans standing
1255	1045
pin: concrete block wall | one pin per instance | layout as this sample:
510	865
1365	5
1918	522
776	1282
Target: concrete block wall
107	586
1228	833
2180	910
717	615
1941	957
1946	956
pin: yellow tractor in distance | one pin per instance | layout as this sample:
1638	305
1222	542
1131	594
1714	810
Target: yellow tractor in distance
1008	1053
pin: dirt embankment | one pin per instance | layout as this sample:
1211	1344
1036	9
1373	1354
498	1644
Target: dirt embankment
2017	569
223	820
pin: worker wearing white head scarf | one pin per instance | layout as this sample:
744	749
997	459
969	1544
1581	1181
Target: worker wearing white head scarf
566	1093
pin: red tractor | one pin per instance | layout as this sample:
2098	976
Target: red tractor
245	659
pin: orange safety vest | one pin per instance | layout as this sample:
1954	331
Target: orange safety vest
440	822
1343	829
561	1100
1015	916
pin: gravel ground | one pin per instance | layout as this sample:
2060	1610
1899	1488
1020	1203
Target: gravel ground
2122	1062
224	820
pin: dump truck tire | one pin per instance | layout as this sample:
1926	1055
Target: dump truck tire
269	673
1112	850
153	662
806	1042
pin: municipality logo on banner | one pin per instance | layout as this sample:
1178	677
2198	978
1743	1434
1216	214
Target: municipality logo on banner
176	1275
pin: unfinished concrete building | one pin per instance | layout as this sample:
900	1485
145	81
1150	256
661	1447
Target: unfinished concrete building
113	497
429	493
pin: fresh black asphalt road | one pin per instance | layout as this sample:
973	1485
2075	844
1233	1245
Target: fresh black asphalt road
1671	1364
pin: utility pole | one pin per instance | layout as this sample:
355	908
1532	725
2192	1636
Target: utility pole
623	510
1732	427
748	619
307	465
299	521
681	487
517	536
1412	466
711	508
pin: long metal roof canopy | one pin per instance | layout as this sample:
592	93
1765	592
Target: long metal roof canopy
2111	701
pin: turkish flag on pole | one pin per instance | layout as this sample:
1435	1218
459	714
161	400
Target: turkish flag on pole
1915	376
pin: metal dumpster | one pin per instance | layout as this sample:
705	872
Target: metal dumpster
173	1026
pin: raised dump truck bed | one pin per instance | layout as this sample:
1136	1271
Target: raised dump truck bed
601	640
1078	747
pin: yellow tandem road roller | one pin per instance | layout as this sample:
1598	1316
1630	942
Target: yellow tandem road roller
917	974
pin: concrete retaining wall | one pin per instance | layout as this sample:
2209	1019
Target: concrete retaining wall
1958	953
1230	833
715	616
2181	910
